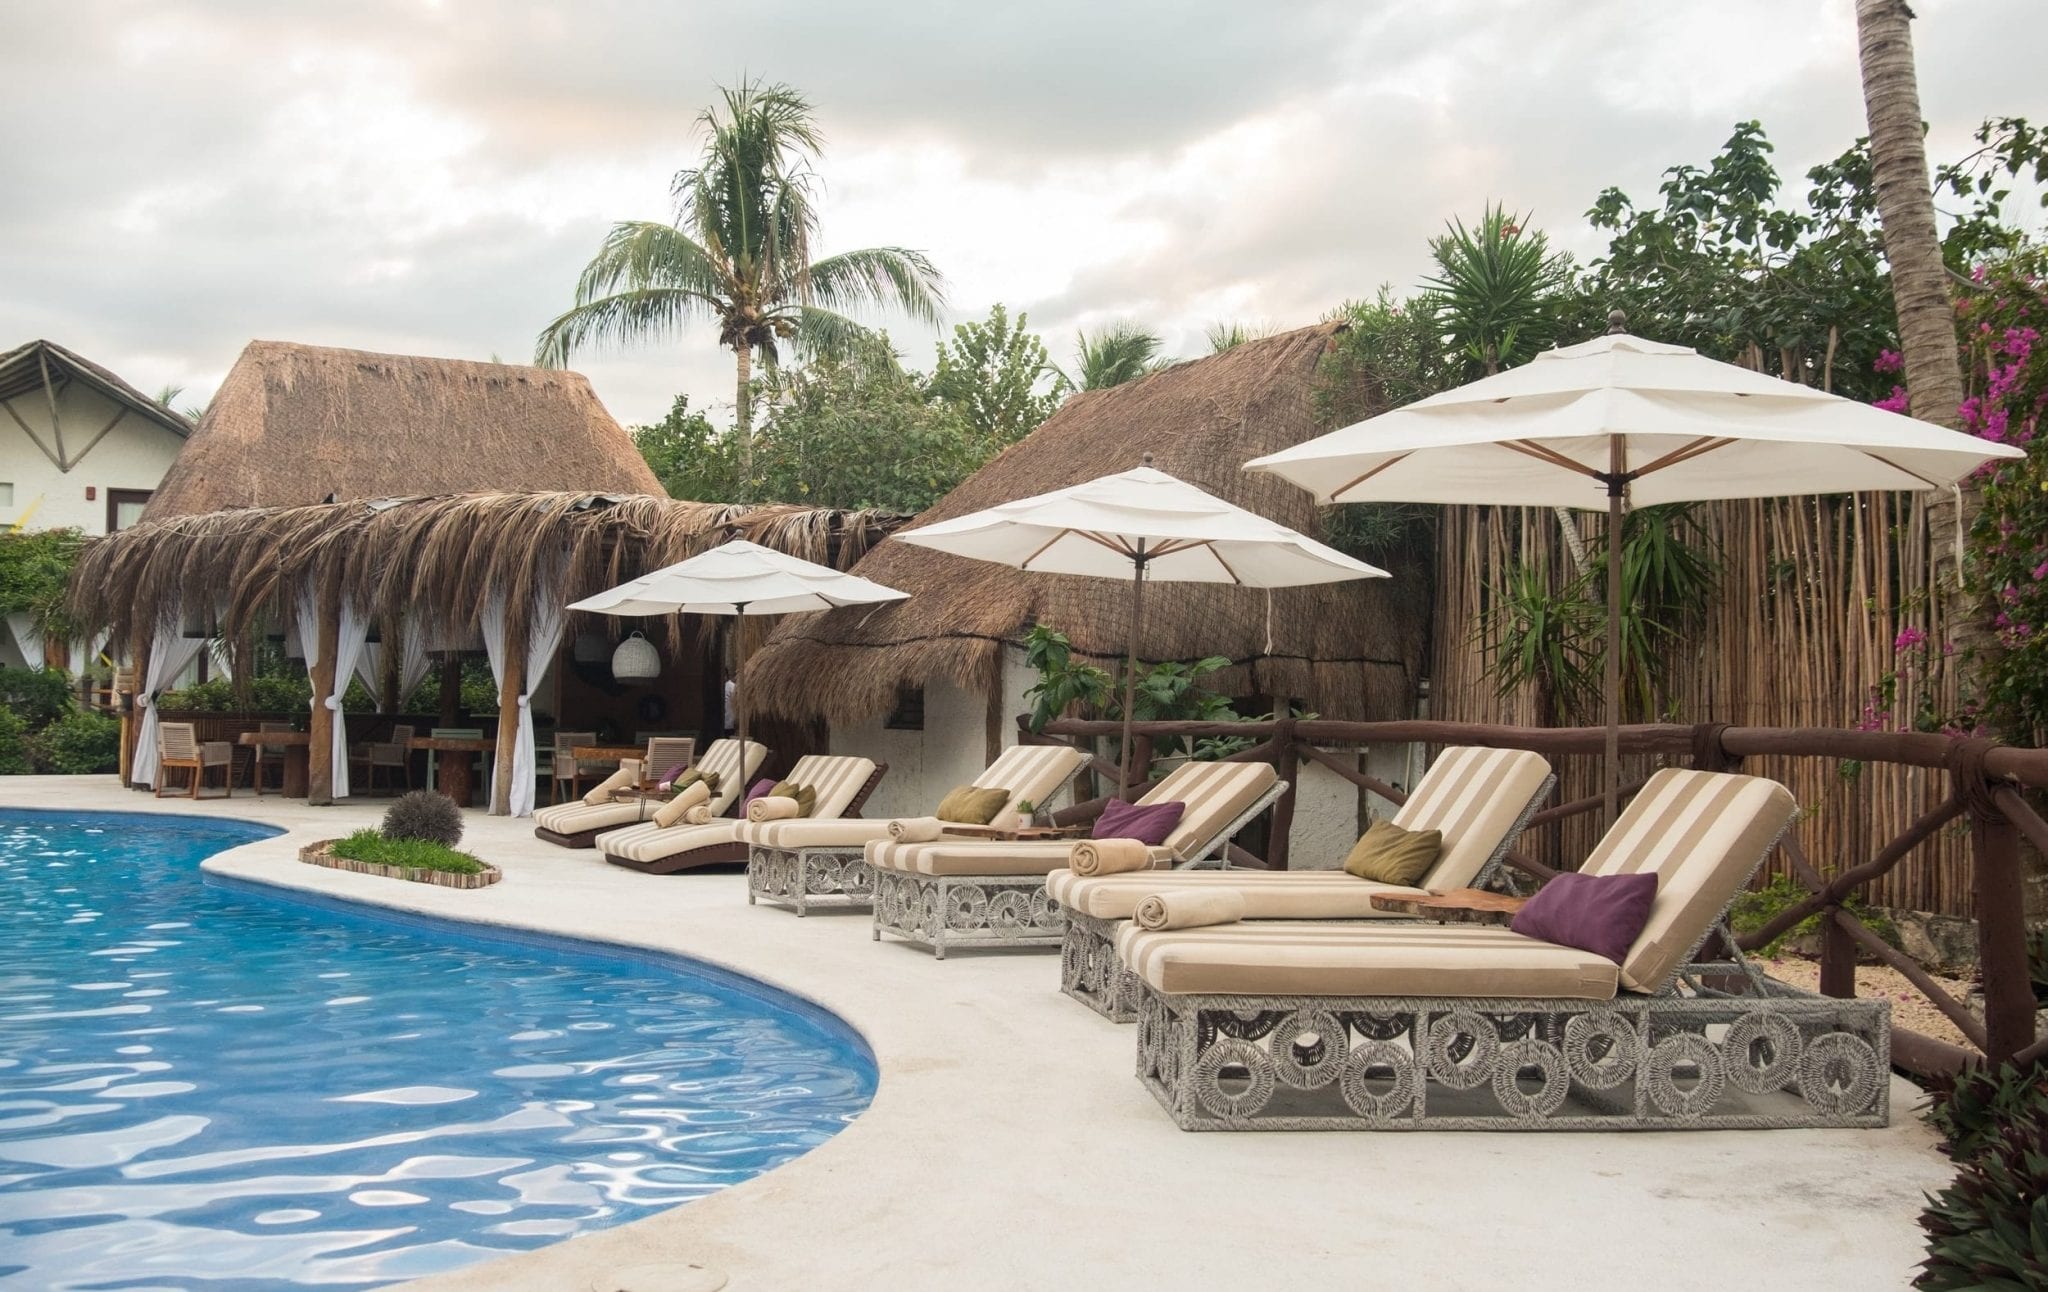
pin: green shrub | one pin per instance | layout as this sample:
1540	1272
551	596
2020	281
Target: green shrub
416	854
78	744
1760	906
1969	1109
425	815
1989	1228
279	693
38	696
13	749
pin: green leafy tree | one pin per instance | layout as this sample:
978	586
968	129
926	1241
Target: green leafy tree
998	377
693	459
739	254
1118	353
35	567
1490	287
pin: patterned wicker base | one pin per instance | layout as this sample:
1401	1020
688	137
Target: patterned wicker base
808	878
1371	1063
940	911
1091	972
322	854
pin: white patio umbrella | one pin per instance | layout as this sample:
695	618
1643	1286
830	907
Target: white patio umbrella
1141	525
738	578
1617	420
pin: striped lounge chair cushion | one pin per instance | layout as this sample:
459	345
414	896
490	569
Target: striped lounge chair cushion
578	816
1030	772
1268	895
1475	796
651	842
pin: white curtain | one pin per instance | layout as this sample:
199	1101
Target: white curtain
412	664
543	637
21	626
169	655
347	647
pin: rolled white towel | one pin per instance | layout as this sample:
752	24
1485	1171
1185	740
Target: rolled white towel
695	794
773	807
1189	910
628	774
699	815
916	829
1108	856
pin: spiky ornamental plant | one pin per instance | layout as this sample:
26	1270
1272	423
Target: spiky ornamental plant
1988	1230
423	814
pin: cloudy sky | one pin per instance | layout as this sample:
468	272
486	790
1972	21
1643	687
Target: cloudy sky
413	175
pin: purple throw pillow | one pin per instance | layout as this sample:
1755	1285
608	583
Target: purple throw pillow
760	790
1148	824
1603	914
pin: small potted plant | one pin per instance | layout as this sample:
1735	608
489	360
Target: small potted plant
1022	815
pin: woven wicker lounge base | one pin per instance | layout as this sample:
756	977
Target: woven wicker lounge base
1436	1063
1092	973
804	879
941	911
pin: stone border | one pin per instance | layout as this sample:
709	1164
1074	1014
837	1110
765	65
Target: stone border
322	854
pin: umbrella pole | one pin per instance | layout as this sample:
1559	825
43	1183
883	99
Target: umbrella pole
739	687
1617	485
1123	775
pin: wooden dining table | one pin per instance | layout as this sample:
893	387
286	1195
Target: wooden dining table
451	774
297	746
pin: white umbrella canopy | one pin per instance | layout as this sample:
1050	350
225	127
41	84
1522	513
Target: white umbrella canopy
1141	525
1619	419
738	578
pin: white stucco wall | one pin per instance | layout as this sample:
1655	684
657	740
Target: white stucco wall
134	455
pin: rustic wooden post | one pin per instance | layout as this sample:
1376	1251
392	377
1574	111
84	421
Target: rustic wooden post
508	723
131	725
2001	936
1140	763
1837	958
451	689
320	731
1286	763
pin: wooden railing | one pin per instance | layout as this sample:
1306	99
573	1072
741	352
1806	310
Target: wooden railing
1985	785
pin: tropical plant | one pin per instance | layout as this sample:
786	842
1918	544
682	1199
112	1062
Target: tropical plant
35	569
1062	683
38	696
1542	638
739	253
997	375
1905	208
79	743
1114	355
1489	292
1230	334
424	814
1989	1228
13	744
1967	1108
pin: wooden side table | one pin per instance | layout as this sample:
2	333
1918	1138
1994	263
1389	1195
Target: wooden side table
1455	906
297	747
1027	832
451	775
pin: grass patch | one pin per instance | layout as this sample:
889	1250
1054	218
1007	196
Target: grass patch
417	854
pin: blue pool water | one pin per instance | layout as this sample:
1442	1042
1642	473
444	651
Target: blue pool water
209	1087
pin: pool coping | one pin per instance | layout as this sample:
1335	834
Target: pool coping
1009	1143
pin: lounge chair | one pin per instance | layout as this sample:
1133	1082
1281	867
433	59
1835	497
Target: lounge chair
1479	798
807	863
968	892
1417	1026
577	824
842	784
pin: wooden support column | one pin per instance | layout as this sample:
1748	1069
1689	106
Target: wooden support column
508	725
2002	936
131	721
1837	958
451	689
1288	765
320	731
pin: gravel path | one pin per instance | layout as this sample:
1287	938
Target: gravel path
1910	1009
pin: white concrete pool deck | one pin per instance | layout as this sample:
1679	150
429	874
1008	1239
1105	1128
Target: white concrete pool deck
1010	1146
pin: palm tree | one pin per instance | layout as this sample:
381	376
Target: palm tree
1228	334
739	253
1118	353
1905	210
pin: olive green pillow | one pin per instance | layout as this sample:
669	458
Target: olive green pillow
971	805
1388	854
692	776
806	797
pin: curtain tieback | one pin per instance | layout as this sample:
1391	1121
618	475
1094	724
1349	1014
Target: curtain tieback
334	702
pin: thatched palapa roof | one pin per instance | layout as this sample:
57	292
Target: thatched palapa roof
298	424
1347	650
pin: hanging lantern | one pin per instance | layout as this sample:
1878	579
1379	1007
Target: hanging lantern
588	649
636	660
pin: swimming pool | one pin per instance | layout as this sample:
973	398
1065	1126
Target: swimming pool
209	1087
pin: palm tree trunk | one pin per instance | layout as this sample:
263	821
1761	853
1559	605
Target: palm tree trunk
1905	209
742	414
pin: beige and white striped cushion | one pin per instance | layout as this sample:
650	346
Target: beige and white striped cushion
835	778
808	832
652	842
1703	833
578	816
1032	773
723	759
1474	796
1215	794
1268	895
1298	959
978	856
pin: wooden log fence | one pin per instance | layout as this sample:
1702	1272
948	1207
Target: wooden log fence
1985	783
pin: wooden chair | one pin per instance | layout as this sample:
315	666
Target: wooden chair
178	745
664	754
567	767
268	756
388	754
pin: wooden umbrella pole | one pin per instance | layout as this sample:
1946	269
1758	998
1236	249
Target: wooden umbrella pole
1617	485
739	668
1123	777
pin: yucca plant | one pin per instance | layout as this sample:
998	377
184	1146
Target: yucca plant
1490	286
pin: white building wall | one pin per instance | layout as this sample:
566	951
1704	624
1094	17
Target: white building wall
134	455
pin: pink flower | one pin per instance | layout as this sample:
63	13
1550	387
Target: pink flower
2041	571
1908	638
1895	402
1888	361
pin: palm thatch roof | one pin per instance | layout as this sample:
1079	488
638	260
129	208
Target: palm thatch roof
298	424
1347	650
436	560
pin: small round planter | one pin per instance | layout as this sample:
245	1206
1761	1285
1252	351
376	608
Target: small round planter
322	854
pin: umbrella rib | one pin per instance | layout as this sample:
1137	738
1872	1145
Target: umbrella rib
1896	467
1025	564
1552	456
1348	485
1220	561
1685	453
